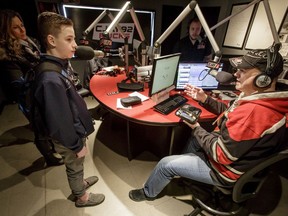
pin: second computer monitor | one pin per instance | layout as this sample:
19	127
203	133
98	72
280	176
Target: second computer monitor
195	73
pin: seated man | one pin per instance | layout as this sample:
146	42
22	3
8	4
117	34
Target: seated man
249	130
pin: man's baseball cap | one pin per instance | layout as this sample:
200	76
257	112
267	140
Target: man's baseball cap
258	59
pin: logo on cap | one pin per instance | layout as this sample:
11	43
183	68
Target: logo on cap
257	54
237	61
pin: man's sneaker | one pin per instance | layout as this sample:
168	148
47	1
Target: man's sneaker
138	195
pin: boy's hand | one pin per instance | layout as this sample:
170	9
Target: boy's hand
82	153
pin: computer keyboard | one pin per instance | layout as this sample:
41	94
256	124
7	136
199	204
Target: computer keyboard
170	104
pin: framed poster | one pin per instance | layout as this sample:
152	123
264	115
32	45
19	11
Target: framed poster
238	26
260	35
283	36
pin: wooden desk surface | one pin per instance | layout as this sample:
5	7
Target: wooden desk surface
143	113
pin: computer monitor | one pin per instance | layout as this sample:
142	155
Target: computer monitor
164	71
195	73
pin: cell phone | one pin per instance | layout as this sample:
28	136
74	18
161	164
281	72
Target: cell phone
131	100
189	113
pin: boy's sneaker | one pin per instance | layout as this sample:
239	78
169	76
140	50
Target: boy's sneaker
93	200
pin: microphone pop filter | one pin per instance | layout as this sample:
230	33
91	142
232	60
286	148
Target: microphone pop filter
84	53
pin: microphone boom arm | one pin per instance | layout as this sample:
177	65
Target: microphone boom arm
144	60
137	24
97	20
117	19
110	28
193	5
209	34
93	24
271	21
117	26
268	14
127	6
173	25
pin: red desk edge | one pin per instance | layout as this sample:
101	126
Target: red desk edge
143	113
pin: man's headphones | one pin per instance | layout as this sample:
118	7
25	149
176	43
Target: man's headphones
265	79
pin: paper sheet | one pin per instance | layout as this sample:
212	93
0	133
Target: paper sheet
120	106
143	97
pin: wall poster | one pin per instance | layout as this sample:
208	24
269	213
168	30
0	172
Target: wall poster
283	36
260	35
238	26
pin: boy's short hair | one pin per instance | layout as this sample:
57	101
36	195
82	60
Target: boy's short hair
50	23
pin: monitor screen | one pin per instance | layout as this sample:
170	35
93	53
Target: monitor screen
196	74
164	71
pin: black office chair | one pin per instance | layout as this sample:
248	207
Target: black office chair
82	68
247	187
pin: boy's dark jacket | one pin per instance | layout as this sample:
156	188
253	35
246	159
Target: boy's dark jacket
59	112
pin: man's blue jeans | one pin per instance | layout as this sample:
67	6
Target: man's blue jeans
189	165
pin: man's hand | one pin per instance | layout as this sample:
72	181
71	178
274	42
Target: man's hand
195	92
192	125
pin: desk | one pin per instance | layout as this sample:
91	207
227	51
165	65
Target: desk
145	128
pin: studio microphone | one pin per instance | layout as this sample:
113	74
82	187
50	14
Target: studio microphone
222	76
99	54
87	53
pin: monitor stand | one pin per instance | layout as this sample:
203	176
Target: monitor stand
163	95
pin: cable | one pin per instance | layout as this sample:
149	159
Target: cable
199	77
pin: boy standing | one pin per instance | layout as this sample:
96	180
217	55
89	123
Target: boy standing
59	112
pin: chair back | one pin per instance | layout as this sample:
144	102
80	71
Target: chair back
248	185
82	68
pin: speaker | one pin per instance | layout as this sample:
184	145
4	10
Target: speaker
265	79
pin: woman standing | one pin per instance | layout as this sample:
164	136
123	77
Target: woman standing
18	54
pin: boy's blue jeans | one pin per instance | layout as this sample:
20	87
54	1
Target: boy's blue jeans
189	165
